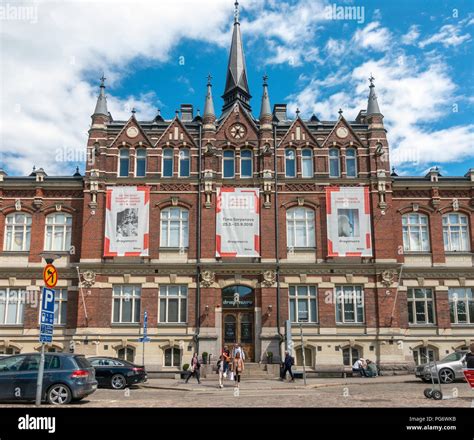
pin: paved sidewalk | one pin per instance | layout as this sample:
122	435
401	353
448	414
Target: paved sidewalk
274	384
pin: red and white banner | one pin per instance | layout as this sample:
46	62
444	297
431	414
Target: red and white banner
126	221
238	222
348	222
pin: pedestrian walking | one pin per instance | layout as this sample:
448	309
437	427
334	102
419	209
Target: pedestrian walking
221	370
288	362
226	355
194	369
237	367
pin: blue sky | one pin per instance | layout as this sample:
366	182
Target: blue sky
158	54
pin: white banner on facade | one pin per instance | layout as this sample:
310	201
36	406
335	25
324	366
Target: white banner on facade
126	221
348	222
238	222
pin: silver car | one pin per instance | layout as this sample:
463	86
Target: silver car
448	369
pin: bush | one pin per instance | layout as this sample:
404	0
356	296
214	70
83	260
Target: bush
185	367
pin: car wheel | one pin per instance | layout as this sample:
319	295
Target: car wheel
446	375
118	382
59	394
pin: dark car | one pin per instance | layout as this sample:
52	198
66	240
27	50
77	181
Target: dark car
117	373
67	377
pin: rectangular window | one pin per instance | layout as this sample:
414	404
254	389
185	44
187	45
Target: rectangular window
184	163
140	168
17	232
12	302
126	304
455	233
60	306
349	305
124	162
420	306
173	304
167	170
303	304
415	233
461	305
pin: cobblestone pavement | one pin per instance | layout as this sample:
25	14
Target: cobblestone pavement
354	392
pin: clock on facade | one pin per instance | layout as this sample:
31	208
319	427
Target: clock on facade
237	131
132	132
342	132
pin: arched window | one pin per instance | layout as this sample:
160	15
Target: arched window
17	232
334	163
126	354
455	232
307	163
184	163
140	162
423	355
351	162
174	228
415	233
58	232
124	162
300	228
228	164
173	357
290	162
167	166
246	168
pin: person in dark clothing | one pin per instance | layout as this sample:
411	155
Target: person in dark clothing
470	357
194	369
288	362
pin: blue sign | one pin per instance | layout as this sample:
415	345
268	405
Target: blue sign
47	315
145	338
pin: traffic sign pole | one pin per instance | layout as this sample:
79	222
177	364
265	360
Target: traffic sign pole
39	382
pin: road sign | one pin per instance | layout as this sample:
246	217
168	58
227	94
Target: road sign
47	315
50	275
145	338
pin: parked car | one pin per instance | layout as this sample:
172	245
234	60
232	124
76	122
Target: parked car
117	373
448	369
67	377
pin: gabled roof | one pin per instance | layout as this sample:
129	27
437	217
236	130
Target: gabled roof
300	121
174	122
132	121
343	122
230	111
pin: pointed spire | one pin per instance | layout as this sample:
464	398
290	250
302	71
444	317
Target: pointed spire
372	105
265	109
236	86
209	104
101	106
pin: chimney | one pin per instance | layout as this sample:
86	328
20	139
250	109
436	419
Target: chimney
279	112
186	112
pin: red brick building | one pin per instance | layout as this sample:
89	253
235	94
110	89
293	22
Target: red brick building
410	298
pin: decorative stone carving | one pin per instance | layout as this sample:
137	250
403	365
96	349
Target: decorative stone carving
269	278
88	278
18	204
207	278
387	277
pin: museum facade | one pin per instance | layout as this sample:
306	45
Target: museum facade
331	242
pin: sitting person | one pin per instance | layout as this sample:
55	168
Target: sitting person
360	367
371	369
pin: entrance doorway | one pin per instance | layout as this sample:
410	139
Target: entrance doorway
238	325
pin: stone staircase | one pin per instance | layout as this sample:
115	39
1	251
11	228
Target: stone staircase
254	370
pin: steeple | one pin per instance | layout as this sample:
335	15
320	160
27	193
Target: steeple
372	105
209	114
101	106
265	108
236	86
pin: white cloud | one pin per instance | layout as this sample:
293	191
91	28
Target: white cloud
372	36
449	35
412	35
46	66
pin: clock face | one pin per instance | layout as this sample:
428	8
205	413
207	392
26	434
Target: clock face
342	132
132	132
237	131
